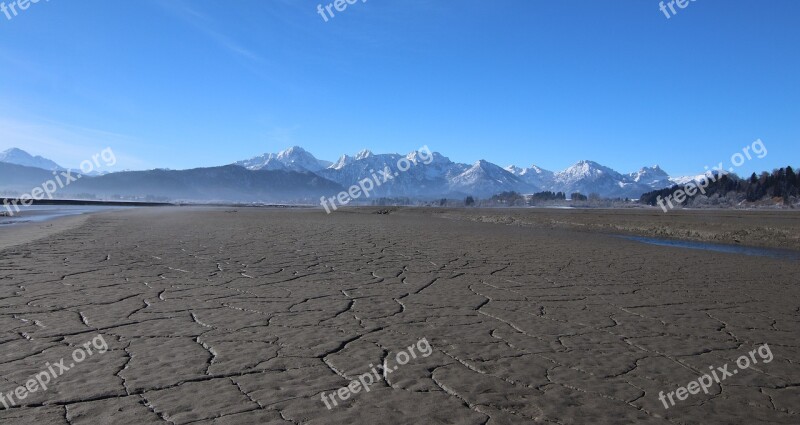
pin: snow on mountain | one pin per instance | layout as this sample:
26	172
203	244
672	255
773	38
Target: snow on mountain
653	176
292	159
435	167
298	159
20	157
349	171
513	169
486	179
364	154
433	175
533	175
589	177
586	170
441	177
267	161
342	162
682	180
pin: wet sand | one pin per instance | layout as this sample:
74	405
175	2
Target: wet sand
22	233
219	317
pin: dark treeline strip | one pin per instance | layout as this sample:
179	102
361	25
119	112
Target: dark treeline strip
11	201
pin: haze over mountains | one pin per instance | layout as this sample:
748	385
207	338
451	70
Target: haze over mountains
296	175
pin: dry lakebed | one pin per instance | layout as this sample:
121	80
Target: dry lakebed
400	316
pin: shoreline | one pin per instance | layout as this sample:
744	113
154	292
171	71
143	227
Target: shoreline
11	204
684	226
23	233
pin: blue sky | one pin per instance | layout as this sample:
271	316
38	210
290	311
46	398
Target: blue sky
183	84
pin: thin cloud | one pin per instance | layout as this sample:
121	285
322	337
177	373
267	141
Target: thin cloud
206	25
65	144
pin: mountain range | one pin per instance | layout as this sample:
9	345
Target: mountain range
296	175
443	177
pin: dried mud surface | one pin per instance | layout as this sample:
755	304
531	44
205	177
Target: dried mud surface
247	317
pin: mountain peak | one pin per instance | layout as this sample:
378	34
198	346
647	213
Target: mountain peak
293	153
294	150
587	162
20	157
342	162
652	170
653	176
586	167
294	158
485	179
366	153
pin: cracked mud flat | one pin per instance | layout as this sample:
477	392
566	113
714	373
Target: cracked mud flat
215	317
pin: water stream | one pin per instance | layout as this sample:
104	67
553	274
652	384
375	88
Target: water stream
783	254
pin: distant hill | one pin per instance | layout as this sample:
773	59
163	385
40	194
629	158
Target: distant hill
227	183
18	178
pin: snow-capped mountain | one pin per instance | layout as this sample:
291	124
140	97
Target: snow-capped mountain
432	175
653	176
533	175
364	154
419	180
343	161
435	175
292	159
589	177
20	157
486	179
436	166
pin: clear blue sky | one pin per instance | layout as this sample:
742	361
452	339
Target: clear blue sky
179	84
